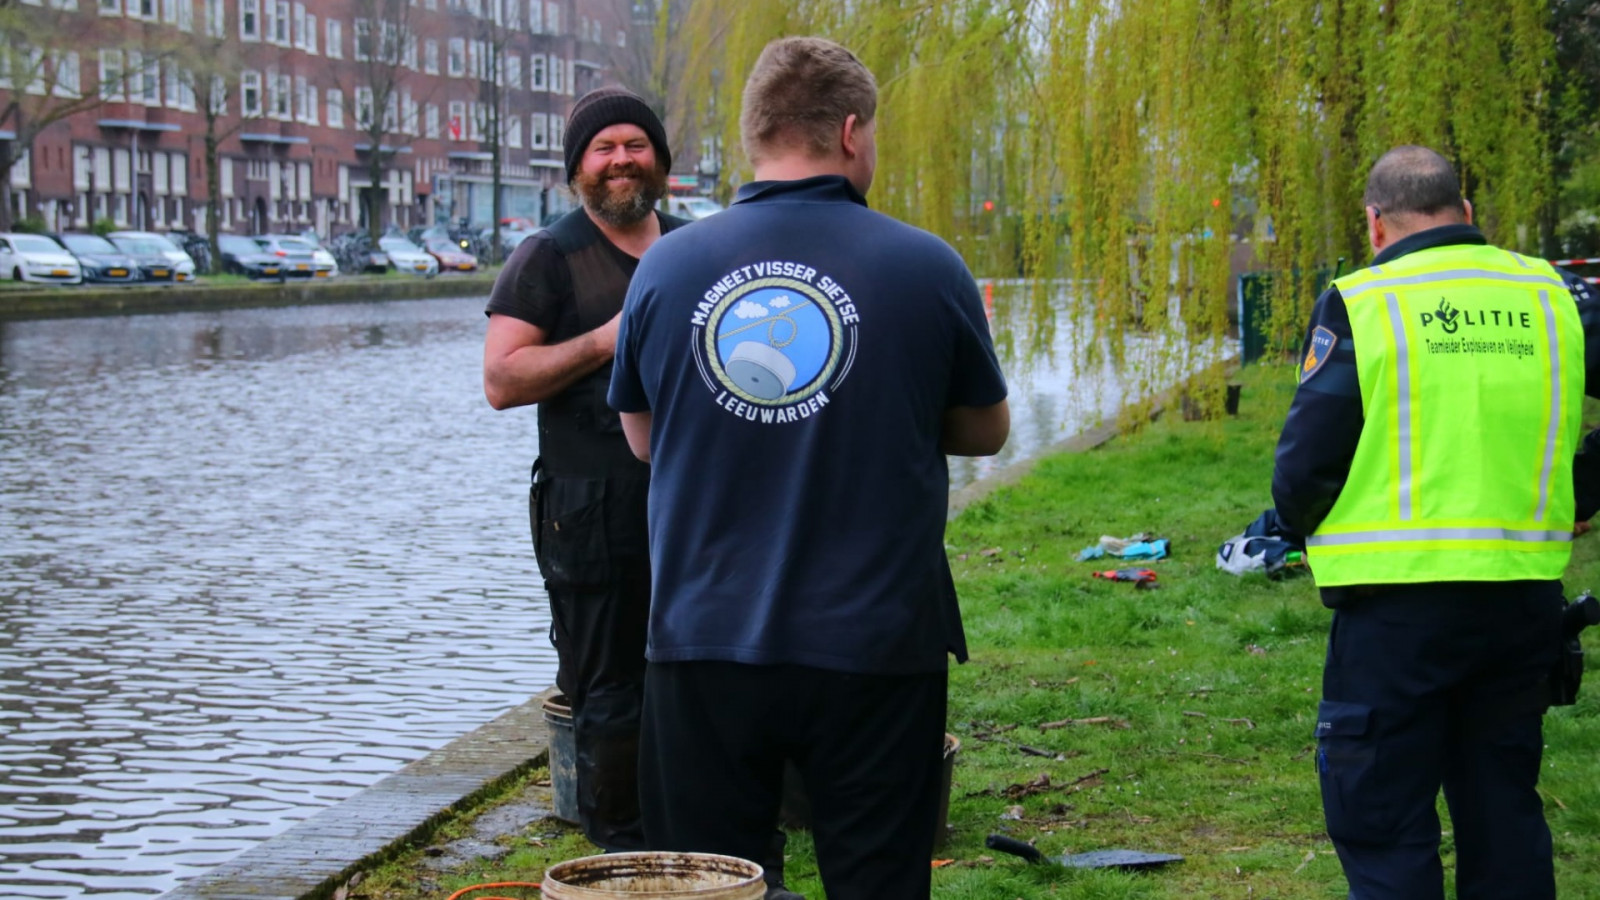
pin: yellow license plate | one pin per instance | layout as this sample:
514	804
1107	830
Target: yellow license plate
117	273
59	272
159	273
322	274
465	267
421	267
272	271
302	267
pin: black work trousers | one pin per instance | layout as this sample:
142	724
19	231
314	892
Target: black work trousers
868	749
590	541
1430	686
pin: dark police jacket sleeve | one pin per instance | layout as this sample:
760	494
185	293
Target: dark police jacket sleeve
1319	437
1586	464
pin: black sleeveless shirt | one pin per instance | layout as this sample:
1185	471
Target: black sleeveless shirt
567	280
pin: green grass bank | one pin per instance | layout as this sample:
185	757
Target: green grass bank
1095	715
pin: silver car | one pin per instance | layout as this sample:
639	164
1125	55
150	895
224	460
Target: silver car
408	257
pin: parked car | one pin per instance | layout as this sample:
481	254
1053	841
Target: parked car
693	207
243	256
159	258
450	255
299	260
327	266
33	257
99	259
511	236
408	257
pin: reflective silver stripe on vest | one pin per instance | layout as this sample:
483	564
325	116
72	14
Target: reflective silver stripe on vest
1415	535
1402	365
1555	405
1377	284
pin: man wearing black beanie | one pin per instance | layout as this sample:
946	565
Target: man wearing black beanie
552	332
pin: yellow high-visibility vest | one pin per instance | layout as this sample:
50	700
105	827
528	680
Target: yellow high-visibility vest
1470	360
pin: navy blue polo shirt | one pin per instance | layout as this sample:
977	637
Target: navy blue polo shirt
797	353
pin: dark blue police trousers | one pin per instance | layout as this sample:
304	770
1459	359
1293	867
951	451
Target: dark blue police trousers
1430	686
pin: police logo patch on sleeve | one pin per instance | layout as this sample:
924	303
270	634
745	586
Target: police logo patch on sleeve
1322	341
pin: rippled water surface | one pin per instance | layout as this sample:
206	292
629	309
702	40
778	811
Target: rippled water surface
252	561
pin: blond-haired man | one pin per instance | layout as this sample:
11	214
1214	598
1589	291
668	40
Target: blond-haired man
796	369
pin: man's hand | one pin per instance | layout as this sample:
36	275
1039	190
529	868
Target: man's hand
1580	528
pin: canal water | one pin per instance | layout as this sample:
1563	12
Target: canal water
252	561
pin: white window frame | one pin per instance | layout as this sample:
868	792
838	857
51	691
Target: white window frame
250	20
536	16
552	18
335	99
511	127
430	56
557	75
250	81
513	71
456	58
363	111
109	7
216	18
558	127
217	101
538	131
457	113
335	47
68	73
361	39
430	118
538	73
283	102
311	34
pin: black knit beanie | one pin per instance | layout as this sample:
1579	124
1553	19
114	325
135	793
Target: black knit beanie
600	109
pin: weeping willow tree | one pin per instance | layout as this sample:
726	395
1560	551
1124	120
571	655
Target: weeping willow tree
1124	156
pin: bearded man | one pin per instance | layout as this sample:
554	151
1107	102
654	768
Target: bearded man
552	330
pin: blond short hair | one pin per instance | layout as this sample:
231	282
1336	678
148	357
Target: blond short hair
799	94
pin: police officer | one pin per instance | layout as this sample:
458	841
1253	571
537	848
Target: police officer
1428	456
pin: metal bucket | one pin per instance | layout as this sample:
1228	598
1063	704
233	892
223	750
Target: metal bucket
563	759
637	876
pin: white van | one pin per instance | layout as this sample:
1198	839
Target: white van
692	207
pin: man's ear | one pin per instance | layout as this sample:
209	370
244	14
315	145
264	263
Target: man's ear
1377	235
847	137
1467	205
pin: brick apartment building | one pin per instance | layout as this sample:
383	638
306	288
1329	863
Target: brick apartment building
295	155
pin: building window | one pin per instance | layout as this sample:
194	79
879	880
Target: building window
538	131
513	132
299	30
458	118
361	38
250	94
557	124
218	102
513	13
552	18
250	20
557	71
457	57
536	16
311	33
431	121
513	71
411	52
216	19
305	100
536	73
430	57
363	110
335	39
335	108
69	73
281	89
110	7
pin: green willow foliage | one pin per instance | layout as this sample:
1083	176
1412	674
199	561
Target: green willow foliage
1137	153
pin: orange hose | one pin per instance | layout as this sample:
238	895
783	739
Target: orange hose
497	884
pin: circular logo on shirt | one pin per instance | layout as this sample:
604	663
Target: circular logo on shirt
774	341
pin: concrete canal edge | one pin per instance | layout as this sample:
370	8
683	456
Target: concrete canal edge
59	302
311	860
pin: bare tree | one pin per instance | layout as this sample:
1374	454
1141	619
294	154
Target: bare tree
493	26
211	79
380	80
41	78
